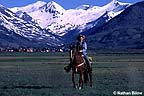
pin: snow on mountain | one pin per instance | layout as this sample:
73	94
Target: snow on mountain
51	16
115	7
125	31
26	29
97	16
29	8
44	13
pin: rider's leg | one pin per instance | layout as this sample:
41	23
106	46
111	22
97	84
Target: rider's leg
89	67
87	62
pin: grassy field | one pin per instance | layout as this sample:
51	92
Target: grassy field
42	74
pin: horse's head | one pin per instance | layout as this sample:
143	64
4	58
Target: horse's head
73	51
71	47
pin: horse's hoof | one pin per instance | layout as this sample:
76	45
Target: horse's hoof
80	88
76	87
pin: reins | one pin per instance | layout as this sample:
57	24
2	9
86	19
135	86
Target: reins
80	64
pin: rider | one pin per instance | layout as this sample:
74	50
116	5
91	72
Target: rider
82	48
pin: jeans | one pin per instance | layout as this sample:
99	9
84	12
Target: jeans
88	64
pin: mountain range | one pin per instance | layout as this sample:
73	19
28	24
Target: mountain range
11	25
47	24
53	17
125	31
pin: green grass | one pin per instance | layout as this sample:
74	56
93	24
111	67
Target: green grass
42	74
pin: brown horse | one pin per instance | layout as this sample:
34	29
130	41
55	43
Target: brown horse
77	63
79	67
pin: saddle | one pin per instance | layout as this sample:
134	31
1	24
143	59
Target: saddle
68	67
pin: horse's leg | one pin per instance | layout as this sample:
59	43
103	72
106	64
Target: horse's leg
81	80
73	80
86	79
90	77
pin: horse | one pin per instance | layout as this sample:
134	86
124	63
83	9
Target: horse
78	65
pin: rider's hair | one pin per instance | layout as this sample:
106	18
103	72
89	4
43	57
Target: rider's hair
79	36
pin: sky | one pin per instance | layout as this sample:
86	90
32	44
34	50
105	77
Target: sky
67	4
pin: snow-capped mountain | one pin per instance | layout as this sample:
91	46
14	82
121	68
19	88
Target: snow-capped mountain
43	13
125	31
51	16
26	28
49	24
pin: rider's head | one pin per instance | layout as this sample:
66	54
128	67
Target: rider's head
80	37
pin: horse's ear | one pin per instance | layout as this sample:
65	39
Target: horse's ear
72	46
